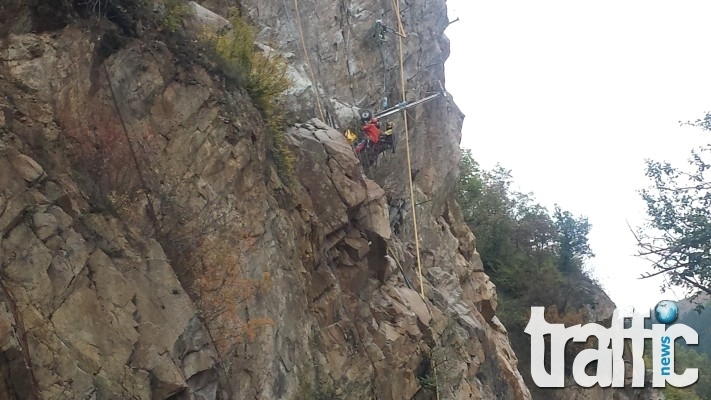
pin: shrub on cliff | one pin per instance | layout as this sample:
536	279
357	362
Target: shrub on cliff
262	73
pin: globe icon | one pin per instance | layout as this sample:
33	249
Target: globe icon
666	312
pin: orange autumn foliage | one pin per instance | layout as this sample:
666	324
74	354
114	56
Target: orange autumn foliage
223	291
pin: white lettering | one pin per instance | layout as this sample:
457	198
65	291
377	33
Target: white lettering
609	351
538	328
663	350
603	356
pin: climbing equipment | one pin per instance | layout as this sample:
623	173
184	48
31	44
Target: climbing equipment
388	141
396	6
381	29
406	104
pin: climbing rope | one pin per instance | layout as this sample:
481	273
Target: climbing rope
402	270
400	35
385	69
348	20
308	63
396	5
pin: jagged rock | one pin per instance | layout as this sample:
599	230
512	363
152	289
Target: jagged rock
27	168
373	216
360	247
86	315
202	21
45	225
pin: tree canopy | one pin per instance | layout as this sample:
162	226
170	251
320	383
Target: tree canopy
510	224
677	236
573	238
530	253
533	256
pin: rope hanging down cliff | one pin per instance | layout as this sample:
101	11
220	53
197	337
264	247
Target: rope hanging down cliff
308	63
400	36
396	6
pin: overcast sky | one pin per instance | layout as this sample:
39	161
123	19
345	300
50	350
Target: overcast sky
573	96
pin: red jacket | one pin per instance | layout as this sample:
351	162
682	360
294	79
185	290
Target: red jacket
372	132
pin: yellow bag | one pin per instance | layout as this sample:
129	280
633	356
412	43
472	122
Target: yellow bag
350	136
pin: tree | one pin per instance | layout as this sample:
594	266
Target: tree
573	238
470	183
522	246
536	233
677	238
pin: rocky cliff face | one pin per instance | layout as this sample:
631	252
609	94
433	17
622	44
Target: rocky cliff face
149	250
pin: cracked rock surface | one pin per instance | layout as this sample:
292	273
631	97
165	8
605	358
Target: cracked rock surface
80	318
131	174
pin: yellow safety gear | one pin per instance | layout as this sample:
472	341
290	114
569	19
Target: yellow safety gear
351	136
388	129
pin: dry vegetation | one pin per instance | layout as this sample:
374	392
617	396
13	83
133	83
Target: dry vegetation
224	291
263	74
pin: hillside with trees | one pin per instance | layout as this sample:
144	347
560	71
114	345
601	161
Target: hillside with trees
535	256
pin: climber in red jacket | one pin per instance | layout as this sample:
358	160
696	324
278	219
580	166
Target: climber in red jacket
372	134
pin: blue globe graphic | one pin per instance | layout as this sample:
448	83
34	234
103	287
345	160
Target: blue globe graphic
666	311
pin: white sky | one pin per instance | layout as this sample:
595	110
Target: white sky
572	96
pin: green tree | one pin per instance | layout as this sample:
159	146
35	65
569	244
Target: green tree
677	237
536	233
573	239
491	219
470	183
521	245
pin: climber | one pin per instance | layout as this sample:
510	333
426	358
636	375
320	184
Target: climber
381	30
387	139
372	134
388	128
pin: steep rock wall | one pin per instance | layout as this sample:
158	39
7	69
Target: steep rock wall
132	178
130	173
